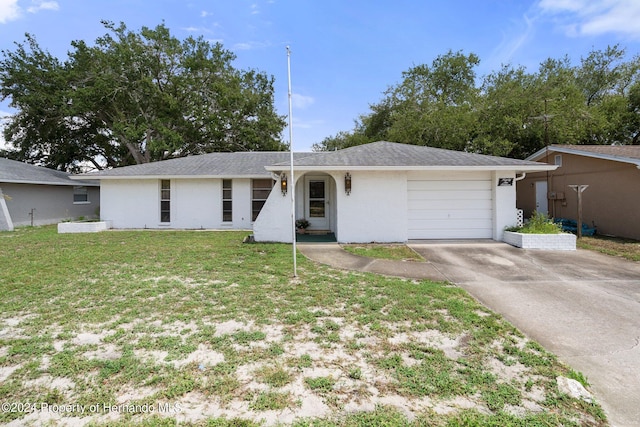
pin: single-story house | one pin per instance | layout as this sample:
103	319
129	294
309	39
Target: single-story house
378	192
611	203
33	195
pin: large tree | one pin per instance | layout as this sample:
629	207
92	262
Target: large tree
509	112
134	97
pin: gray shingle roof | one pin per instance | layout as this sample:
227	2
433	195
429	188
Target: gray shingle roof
239	164
24	173
252	164
390	154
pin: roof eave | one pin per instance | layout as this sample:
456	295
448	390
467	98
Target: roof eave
136	177
528	168
18	181
542	152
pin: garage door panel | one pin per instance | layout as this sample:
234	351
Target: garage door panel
450	209
449	214
448	185
449	205
450	195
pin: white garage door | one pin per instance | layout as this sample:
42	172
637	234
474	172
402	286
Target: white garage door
450	206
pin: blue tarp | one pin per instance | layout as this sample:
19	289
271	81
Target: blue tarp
571	226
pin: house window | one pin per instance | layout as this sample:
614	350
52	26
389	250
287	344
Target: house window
227	204
261	188
558	160
165	200
80	194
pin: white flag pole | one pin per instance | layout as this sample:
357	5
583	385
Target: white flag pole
292	185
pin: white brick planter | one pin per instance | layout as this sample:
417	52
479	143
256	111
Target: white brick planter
83	227
550	242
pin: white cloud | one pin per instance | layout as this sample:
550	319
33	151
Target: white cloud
301	101
250	45
204	14
255	10
595	17
9	10
39	5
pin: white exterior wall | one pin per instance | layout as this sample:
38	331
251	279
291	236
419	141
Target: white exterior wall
195	203
505	213
376	209
274	222
130	203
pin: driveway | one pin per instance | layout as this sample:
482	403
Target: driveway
583	306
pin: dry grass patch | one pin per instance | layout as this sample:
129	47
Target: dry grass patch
615	246
208	331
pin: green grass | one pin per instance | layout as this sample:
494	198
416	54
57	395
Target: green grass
384	251
221	329
614	246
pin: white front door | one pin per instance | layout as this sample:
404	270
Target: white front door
542	204
317	202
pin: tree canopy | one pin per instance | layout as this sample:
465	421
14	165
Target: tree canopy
134	97
509	112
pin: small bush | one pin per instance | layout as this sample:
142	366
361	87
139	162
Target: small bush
538	224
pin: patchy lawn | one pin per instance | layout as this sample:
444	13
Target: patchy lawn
165	327
615	246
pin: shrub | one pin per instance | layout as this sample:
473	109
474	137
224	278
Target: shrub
538	224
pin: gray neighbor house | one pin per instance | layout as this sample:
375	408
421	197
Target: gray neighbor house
33	195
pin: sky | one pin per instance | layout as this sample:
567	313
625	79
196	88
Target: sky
344	53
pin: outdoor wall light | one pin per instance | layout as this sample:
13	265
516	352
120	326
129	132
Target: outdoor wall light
283	183
347	183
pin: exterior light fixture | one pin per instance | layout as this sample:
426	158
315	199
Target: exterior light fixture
283	183
347	183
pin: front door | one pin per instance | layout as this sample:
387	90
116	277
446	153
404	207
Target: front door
316	203
542	204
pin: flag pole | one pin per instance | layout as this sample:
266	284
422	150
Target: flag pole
292	188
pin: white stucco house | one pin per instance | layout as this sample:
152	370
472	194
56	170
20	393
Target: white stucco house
378	192
33	195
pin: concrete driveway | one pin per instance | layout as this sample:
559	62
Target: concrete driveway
582	306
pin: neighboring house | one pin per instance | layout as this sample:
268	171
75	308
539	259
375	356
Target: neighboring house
33	195
378	192
611	203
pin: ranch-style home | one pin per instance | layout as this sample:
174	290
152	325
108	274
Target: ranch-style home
377	192
610	203
33	195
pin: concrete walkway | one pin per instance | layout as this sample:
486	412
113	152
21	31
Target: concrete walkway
581	305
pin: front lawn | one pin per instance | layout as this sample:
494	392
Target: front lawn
615	246
164	327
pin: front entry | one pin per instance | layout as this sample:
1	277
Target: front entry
317	202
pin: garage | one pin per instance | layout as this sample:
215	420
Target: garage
449	205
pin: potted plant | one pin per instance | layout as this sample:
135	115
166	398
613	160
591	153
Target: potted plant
301	225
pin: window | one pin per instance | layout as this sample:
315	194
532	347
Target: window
165	200
80	194
227	204
558	160
261	188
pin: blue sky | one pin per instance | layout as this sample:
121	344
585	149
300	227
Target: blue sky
344	53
